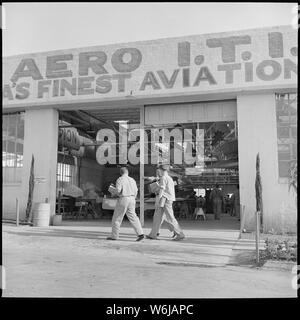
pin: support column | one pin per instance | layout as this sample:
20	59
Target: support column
40	140
142	162
257	133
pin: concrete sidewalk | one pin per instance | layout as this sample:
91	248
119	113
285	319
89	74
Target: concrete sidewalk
75	260
207	243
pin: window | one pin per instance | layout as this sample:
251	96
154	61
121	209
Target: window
286	114
66	175
12	147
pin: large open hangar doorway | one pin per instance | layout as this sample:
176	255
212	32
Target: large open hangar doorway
94	144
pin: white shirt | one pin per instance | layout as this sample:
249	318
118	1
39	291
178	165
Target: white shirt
126	186
168	188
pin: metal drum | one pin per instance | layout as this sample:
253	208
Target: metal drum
41	214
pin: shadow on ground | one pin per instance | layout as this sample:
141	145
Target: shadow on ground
100	235
245	258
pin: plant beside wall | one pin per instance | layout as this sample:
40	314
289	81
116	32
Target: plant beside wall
293	178
258	192
30	193
280	249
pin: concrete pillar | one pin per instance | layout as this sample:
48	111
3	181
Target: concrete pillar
257	133
40	140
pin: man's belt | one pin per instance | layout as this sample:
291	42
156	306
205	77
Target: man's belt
121	196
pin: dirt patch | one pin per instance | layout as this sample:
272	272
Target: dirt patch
245	258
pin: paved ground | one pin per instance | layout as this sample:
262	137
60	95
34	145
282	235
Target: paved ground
75	260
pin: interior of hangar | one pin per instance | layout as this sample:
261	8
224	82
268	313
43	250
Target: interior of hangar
198	140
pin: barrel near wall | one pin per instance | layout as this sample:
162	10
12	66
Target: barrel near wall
41	214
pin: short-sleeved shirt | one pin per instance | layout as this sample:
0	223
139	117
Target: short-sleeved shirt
167	184
126	186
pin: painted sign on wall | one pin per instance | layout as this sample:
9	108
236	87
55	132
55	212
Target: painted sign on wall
204	63
69	137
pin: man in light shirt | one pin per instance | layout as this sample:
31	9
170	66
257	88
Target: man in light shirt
166	198
157	192
127	190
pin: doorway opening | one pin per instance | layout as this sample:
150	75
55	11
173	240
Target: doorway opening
202	151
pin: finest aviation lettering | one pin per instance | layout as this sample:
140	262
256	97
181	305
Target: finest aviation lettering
95	73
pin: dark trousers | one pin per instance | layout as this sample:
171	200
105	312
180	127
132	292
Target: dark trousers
217	208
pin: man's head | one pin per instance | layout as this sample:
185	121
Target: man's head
123	170
217	186
164	167
158	172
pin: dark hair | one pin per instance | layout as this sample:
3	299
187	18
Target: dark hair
164	167
217	186
123	170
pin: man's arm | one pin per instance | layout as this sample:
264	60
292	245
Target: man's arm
162	185
136	189
119	186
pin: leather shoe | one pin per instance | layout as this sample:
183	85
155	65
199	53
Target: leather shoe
140	237
148	237
179	237
110	238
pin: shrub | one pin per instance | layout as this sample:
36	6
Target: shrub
281	249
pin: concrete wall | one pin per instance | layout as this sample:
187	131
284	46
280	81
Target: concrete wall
257	133
9	194
216	63
40	140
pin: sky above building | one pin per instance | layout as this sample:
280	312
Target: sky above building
37	27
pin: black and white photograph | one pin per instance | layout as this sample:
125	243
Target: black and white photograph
149	151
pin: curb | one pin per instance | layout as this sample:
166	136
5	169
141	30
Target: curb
279	265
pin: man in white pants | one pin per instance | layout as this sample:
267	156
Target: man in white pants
166	198
127	190
164	219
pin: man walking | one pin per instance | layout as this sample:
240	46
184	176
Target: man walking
157	207
165	201
236	202
127	190
216	197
